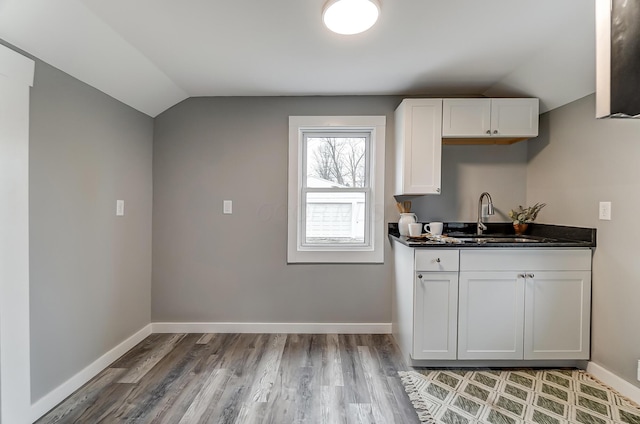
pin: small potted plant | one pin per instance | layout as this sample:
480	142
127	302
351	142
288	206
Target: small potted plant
521	217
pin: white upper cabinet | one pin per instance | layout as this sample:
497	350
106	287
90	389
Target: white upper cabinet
418	146
490	118
466	117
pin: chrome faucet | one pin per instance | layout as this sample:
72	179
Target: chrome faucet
490	211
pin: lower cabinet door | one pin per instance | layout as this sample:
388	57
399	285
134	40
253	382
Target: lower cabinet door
557	318
435	319
491	316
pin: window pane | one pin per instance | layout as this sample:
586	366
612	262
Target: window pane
335	218
336	162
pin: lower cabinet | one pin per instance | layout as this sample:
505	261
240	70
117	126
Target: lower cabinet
491	323
492	304
537	308
435	328
557	315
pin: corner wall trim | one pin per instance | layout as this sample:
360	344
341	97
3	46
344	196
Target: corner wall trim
610	379
57	395
268	327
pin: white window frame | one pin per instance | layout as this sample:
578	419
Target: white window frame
372	251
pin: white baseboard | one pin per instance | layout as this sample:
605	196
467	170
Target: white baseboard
57	395
610	379
269	327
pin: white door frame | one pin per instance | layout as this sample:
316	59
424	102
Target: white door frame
16	78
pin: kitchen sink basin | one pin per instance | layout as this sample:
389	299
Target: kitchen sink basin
499	239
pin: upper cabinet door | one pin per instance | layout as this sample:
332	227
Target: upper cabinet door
466	117
418	146
514	117
504	120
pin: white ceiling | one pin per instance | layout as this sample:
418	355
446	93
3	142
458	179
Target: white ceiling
151	54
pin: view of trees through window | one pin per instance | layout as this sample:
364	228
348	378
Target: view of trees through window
335	212
340	160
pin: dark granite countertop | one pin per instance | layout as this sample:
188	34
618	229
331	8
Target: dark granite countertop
537	235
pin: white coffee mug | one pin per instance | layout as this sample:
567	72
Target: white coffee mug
415	229
434	228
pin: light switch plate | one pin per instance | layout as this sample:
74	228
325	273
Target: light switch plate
227	207
119	207
605	211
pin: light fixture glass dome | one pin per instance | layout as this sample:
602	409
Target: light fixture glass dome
350	16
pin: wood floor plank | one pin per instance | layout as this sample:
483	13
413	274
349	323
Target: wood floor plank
155	390
247	378
211	389
332	375
381	407
206	338
333	410
268	369
360	413
76	404
355	384
139	351
149	361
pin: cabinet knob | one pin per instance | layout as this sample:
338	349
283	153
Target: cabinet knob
530	275
522	276
438	190
438	260
488	131
495	131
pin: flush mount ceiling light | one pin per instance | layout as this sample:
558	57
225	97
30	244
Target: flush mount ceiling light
349	17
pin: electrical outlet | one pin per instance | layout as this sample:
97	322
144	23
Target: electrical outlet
605	211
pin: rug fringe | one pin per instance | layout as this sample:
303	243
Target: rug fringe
411	387
620	395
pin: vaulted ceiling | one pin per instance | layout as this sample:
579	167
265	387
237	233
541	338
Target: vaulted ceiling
151	54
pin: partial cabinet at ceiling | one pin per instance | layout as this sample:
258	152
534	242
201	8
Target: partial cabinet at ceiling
524	304
489	121
418	124
435	320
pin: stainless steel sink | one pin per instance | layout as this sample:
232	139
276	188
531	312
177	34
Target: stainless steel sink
499	239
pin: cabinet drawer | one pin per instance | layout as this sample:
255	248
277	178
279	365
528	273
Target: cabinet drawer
525	259
437	260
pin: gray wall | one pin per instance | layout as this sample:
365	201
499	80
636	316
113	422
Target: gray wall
467	171
578	162
90	270
211	267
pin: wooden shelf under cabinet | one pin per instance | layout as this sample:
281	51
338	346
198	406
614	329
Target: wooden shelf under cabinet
488	141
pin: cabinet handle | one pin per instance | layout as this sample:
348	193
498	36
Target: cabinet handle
530	275
522	276
488	131
420	276
495	131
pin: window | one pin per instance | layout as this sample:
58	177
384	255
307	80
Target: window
336	189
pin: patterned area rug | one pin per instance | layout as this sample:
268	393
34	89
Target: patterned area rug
557	396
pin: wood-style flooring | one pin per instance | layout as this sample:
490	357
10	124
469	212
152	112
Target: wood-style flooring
246	378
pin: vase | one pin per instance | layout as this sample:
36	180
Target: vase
404	221
520	229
